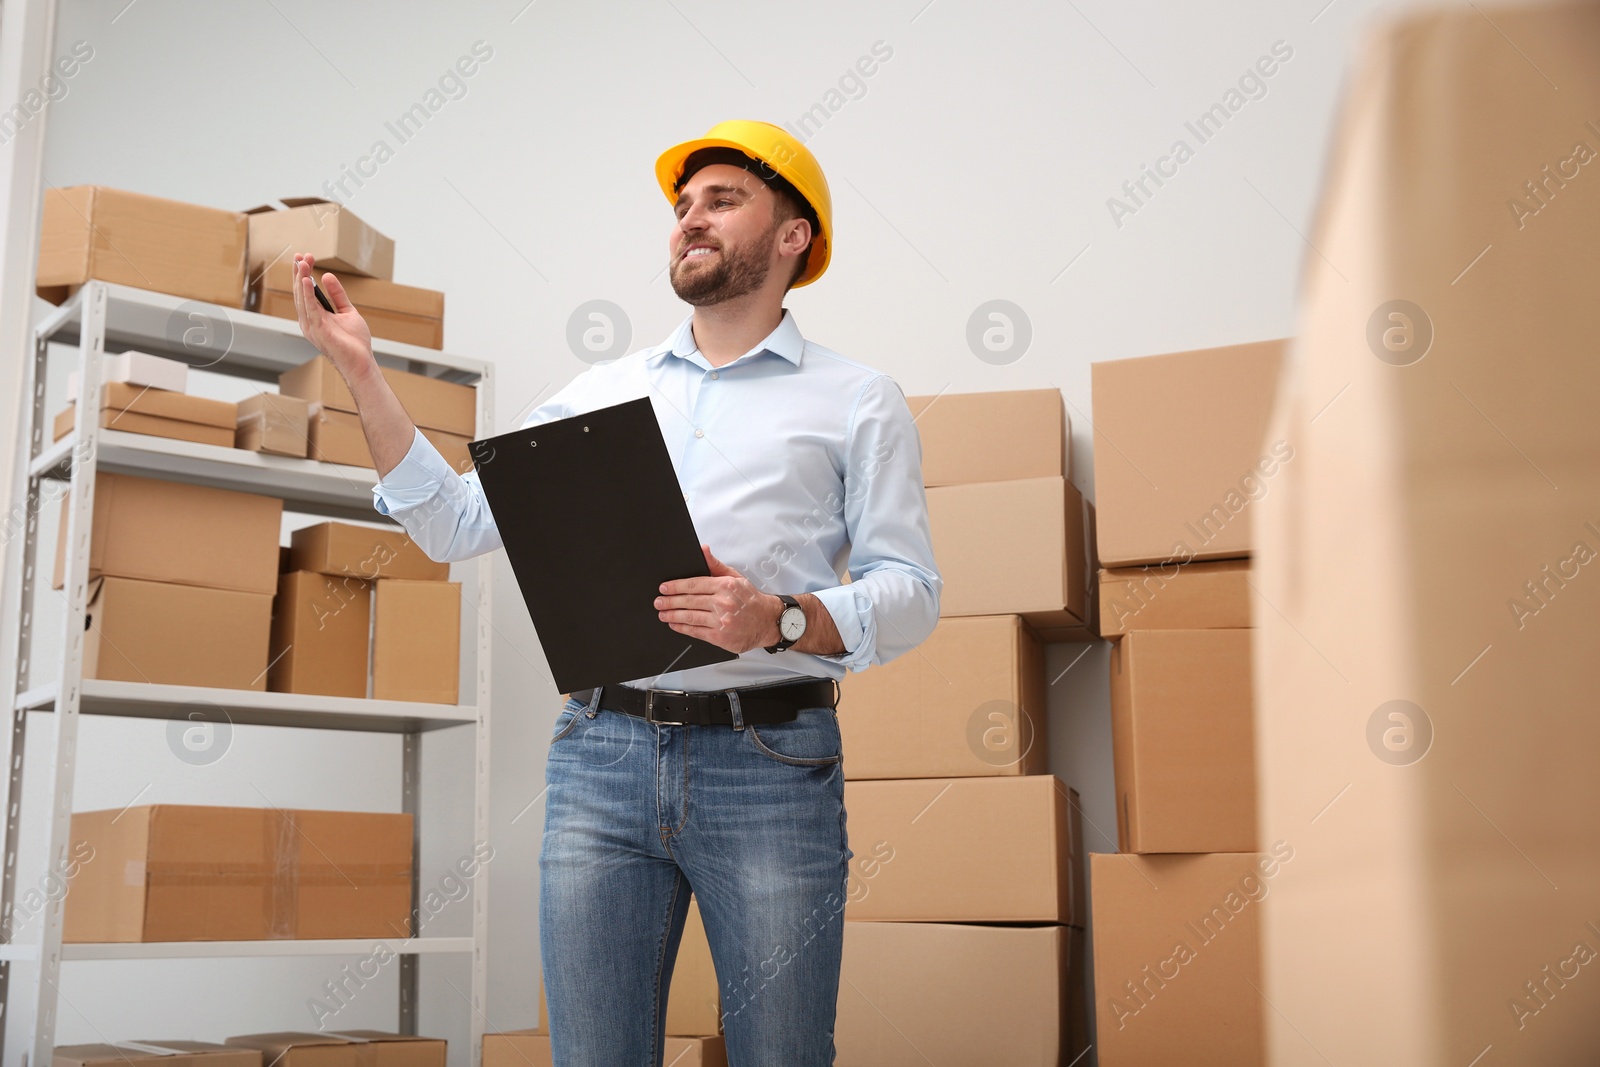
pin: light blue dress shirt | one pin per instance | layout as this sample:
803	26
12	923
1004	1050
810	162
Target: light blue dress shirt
792	458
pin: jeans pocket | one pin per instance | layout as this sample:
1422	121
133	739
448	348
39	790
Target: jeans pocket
810	739
567	720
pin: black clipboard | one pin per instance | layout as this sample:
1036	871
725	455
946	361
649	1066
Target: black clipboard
594	520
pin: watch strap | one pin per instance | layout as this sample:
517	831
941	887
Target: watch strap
783	642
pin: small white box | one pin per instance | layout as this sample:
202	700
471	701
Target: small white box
137	368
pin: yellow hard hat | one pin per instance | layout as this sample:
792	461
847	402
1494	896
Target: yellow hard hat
781	151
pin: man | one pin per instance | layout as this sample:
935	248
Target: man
727	779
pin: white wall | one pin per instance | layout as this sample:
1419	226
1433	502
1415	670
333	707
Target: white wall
975	164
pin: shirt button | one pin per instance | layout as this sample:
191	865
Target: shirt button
713	374
699	433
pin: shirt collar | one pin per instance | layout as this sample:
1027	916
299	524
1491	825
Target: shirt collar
784	340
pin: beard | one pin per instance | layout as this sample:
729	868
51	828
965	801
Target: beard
737	273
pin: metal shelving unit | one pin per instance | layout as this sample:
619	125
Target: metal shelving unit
102	319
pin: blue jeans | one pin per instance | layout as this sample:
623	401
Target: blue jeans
750	819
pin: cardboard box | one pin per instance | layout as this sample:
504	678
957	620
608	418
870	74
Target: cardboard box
1190	596
1013	548
970	700
531	1048
915	993
340	241
137	368
396	312
961	850
337	437
165	872
453	447
1183	741
363	551
91	232
271	422
1433	544
151	425
142	409
164	1053
416	641
157	632
321	630
432	403
694	1001
1177	972
345	1048
173	532
992	437
1180	453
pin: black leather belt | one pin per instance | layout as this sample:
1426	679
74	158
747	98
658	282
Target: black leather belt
759	704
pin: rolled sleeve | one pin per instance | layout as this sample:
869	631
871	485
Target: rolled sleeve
891	604
414	481
445	513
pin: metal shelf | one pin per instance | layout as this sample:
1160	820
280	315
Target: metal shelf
224	339
181	950
308	485
99	319
144	700
172	950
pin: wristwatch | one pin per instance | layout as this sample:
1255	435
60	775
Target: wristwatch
791	623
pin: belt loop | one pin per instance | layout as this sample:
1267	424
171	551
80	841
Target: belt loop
733	706
594	702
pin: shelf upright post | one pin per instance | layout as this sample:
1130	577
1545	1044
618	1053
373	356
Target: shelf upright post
21	531
80	514
411	804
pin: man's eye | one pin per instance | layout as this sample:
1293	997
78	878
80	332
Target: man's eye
722	202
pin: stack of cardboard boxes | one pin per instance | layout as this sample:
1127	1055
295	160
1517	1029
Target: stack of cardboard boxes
181	582
146	394
963	930
312	415
445	412
202	253
1180	459
343	582
361	257
91	232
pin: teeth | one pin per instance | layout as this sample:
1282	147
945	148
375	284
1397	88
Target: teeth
698	252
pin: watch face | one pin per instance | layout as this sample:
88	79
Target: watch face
792	623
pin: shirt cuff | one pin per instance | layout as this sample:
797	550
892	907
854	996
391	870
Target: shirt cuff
414	481
851	609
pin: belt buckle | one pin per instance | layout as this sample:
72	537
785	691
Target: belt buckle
649	706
